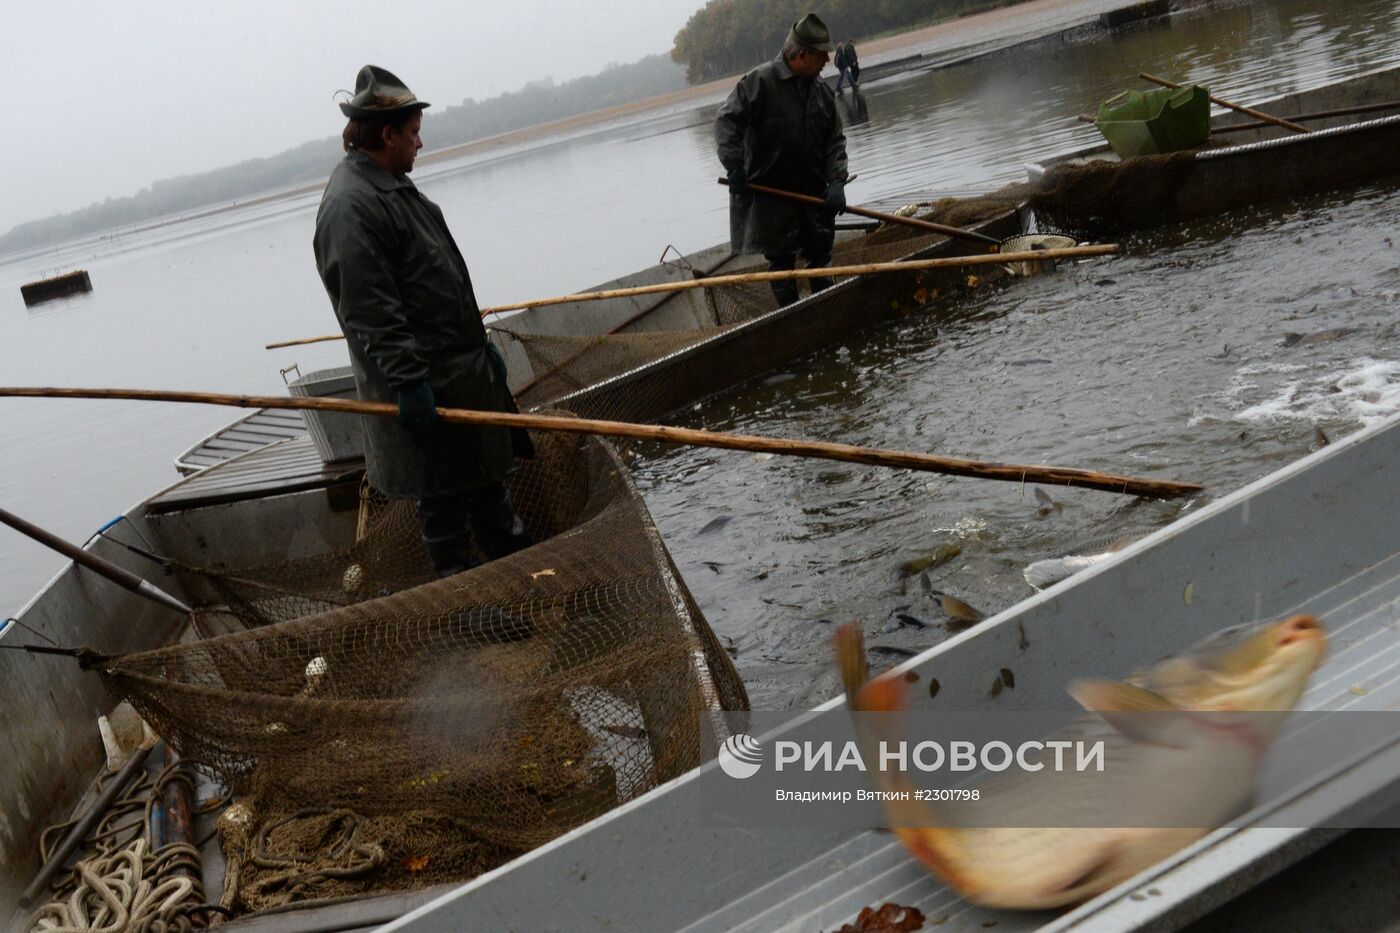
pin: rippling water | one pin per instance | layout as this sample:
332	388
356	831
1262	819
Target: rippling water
1168	361
1138	378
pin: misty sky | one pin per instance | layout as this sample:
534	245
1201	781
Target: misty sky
104	98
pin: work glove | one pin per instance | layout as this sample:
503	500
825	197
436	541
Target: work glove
738	180
418	412
835	197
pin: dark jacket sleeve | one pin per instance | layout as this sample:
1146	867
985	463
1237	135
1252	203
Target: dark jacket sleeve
836	167
353	248
732	122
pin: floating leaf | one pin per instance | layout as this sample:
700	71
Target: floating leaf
416	862
541	573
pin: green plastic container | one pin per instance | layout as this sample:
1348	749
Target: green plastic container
1161	120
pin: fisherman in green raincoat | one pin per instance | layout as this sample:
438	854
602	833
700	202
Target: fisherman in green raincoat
779	128
404	298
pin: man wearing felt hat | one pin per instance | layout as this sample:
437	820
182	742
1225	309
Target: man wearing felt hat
779	128
404	299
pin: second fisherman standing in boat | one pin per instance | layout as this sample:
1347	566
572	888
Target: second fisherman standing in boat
779	128
404	298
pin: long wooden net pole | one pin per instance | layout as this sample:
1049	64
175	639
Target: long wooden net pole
1009	472
829	272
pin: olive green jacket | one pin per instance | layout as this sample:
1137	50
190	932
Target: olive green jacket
784	131
404	298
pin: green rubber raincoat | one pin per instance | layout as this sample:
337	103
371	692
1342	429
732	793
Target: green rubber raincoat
404	298
784	132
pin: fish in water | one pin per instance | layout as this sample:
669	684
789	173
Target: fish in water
1047	505
1323	336
940	556
715	524
1060	855
893	651
1043	573
960	614
1320	438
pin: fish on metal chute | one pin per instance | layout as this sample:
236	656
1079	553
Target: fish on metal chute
1039	840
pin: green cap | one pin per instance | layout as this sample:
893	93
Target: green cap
379	93
810	32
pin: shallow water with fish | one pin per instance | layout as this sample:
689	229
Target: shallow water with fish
1168	361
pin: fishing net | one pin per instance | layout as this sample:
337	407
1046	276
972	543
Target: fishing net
1102	197
382	728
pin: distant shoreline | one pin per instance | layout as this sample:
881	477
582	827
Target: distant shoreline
717	89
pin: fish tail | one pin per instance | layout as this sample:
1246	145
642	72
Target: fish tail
850	659
916	824
881	695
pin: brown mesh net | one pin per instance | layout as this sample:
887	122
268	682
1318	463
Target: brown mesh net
449	723
1101	197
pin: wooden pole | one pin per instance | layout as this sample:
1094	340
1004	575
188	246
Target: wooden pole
870	268
40	885
875	215
826	272
1313	115
118	575
1256	114
1009	472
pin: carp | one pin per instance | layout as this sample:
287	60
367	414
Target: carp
1038	840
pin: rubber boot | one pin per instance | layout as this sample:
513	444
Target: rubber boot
450	553
499	531
785	292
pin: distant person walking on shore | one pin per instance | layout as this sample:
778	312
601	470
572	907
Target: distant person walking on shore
404	299
779	127
848	52
843	71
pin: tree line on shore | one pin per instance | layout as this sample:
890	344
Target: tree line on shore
726	37
537	102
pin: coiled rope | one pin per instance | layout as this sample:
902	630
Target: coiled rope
127	885
130	890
